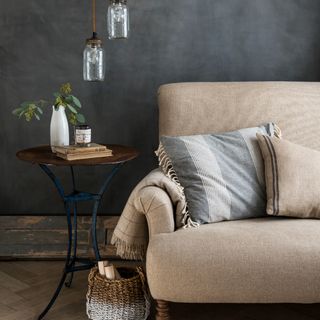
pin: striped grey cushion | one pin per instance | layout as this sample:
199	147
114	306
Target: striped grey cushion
222	174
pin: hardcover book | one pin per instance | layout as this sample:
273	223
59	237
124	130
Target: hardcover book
82	155
73	149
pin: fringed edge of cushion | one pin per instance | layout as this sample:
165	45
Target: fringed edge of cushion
129	251
277	131
166	165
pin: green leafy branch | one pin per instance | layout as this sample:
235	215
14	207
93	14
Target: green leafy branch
34	109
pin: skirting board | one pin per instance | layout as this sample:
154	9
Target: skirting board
45	237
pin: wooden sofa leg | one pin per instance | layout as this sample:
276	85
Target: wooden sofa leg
162	308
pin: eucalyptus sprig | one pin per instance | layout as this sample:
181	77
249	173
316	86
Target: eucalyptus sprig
34	109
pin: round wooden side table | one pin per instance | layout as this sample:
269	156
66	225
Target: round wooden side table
45	159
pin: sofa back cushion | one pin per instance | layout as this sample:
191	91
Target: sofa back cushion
203	108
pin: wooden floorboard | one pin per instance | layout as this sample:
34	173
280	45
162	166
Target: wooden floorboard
27	286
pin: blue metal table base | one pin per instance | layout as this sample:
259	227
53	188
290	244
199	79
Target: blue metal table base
73	263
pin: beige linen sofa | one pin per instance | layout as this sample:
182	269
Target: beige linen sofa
265	260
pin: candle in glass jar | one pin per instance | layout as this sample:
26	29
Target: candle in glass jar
82	135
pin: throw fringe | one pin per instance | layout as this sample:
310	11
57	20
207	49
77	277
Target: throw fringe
166	165
129	251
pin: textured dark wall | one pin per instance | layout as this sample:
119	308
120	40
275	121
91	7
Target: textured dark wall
41	43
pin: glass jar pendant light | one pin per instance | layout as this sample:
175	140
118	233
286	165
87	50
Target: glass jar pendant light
118	19
93	54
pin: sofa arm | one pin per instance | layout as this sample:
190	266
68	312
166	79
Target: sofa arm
155	203
150	210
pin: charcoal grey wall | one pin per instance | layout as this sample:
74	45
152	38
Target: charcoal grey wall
41	43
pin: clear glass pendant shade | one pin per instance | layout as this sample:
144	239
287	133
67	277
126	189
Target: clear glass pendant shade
118	19
93	60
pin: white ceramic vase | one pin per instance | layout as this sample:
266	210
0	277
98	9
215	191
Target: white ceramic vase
59	128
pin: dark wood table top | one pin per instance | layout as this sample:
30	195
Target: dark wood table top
44	155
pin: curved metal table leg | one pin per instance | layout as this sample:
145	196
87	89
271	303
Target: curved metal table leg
53	299
74	242
102	190
64	274
75	232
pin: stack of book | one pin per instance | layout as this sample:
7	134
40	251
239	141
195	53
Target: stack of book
94	150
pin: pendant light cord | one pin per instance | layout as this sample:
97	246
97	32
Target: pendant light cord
94	17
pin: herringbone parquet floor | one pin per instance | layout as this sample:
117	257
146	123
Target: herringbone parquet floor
26	287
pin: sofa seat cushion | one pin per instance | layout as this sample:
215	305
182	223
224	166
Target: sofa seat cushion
262	260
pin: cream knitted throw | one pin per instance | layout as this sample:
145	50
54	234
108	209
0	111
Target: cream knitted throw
131	233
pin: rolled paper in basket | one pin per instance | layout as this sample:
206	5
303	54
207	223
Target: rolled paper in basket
112	273
101	265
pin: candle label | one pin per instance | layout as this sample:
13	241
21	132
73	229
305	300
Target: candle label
83	136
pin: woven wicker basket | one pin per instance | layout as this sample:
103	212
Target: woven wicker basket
125	299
